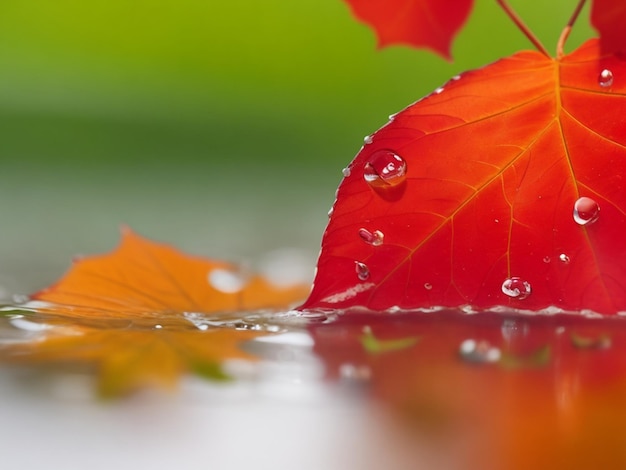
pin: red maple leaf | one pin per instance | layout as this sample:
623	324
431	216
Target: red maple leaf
609	18
504	187
419	23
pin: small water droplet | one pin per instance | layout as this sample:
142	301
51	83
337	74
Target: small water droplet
438	90
384	168
374	238
392	116
346	171
479	351
546	259
20	298
330	211
158	327
368	139
362	271
513	329
586	211
355	373
564	258
456	77
226	281
516	287
605	79
428	286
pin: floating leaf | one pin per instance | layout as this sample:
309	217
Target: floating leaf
477	191
142	316
146	280
418	23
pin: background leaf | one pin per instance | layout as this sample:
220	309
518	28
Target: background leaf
419	23
608	17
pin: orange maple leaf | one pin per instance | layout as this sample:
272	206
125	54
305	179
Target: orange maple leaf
140	315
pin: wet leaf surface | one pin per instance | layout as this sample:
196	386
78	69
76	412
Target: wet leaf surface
503	187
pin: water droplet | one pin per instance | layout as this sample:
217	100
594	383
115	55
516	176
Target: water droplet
456	77
355	373
428	286
479	351
546	259
330	211
605	79
20	298
362	271
513	329
586	211
516	287
226	281
374	238
438	90
346	171
368	139
158	327
385	168
564	258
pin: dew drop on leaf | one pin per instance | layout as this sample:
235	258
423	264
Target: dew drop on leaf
385	168
362	271
564	258
226	281
374	238
479	351
516	287
605	79
586	211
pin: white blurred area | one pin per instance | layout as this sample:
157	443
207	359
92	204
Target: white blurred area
281	415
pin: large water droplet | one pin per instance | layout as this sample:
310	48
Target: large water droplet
226	281
516	287
479	351
362	271
586	211
605	79
374	238
385	168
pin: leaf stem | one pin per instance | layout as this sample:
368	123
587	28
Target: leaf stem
522	26
568	28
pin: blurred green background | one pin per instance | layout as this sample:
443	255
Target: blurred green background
221	127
